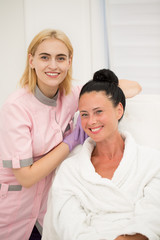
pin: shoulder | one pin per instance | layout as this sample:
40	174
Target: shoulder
79	158
148	164
149	161
17	106
72	161
150	153
70	101
76	90
66	172
74	93
146	156
19	97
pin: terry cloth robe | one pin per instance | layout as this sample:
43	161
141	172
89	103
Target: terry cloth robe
88	207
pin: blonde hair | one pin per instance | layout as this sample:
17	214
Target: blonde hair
29	76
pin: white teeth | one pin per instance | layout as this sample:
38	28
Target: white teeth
95	129
52	74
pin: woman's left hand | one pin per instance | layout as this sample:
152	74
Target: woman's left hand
132	237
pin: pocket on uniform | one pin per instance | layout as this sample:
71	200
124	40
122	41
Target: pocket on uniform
10	201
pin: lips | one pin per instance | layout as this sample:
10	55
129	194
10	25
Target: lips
95	130
52	74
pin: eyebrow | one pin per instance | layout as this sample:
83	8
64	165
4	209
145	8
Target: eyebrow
94	109
83	111
61	54
45	54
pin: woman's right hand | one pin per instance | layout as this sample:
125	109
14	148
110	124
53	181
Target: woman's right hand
76	137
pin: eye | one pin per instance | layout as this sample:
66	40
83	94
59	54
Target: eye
44	57
84	115
98	111
61	59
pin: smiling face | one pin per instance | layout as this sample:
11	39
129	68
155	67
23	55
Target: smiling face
51	63
99	118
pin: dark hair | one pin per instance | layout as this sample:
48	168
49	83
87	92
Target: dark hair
105	80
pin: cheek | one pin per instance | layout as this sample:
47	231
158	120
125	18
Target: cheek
103	120
110	121
65	66
38	72
39	66
83	123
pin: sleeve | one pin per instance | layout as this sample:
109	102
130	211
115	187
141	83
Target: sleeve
69	218
15	134
146	220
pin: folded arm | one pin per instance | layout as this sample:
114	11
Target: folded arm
130	88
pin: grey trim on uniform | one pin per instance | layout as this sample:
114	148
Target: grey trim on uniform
45	100
14	187
67	128
23	163
39	227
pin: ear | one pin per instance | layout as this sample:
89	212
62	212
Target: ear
30	59
120	110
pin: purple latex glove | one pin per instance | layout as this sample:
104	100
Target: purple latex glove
76	137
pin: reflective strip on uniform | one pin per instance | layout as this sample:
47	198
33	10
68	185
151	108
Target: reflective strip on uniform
14	187
23	163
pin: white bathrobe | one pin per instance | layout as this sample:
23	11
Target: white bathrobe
88	207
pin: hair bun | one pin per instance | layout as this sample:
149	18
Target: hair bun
105	75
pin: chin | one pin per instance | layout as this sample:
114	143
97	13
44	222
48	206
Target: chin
96	139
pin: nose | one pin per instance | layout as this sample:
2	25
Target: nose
53	63
91	120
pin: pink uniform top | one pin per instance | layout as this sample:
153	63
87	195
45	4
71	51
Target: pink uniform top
30	126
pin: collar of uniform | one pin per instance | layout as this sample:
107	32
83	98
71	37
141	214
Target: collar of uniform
45	100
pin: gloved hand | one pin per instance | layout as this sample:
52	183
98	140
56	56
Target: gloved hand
76	137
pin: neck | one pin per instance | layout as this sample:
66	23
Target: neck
110	149
48	91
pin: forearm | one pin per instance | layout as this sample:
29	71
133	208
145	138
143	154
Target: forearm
132	237
130	88
27	176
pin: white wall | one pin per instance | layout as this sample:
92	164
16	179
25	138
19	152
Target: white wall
20	20
12	44
134	41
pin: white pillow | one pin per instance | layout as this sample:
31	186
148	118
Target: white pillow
142	119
